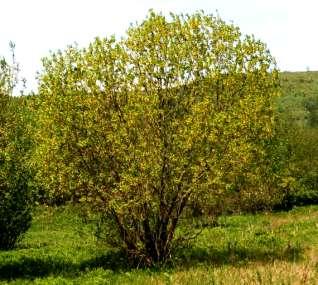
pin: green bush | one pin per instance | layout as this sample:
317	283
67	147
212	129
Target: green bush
15	203
140	129
297	115
15	195
302	195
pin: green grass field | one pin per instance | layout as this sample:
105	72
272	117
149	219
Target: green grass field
273	248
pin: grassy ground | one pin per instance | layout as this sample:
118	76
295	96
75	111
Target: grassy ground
275	248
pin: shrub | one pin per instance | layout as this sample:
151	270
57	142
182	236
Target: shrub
140	128
296	113
15	203
15	195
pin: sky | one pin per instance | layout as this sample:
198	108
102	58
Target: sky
288	27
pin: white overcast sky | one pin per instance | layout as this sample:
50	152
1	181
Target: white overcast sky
289	27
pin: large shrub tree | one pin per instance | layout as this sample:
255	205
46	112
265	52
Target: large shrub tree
142	127
15	195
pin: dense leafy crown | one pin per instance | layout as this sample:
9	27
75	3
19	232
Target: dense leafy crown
143	126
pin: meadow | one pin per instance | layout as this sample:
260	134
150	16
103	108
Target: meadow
182	146
267	248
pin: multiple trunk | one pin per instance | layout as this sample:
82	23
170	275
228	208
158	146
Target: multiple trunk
149	241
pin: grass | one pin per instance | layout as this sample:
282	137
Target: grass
273	248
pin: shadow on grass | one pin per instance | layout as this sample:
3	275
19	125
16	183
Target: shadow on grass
30	267
40	267
236	255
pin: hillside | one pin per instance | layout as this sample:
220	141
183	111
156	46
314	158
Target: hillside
300	83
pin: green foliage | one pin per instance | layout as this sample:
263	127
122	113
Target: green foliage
15	208
15	196
140	128
298	131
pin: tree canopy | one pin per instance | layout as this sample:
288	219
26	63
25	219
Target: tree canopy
174	112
